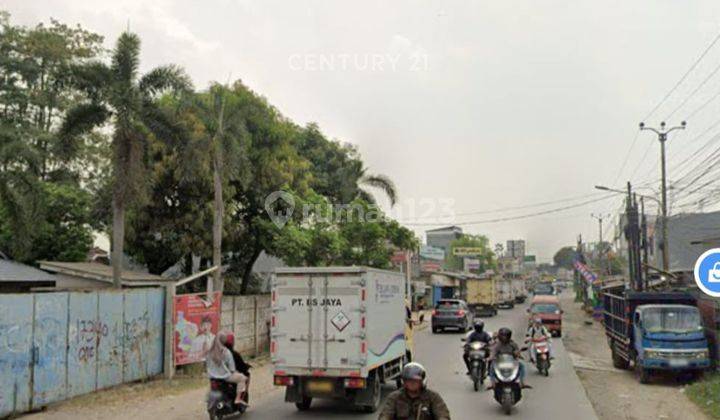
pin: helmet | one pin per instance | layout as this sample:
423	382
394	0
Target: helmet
414	370
504	334
478	326
230	340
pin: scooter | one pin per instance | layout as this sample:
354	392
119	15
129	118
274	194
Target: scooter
221	399
541	349
477	354
507	390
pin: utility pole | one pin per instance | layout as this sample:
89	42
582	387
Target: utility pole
644	242
601	247
662	137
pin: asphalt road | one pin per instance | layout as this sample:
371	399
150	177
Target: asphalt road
559	396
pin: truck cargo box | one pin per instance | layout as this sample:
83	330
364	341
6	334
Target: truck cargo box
337	321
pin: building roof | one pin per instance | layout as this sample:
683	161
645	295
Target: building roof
103	273
690	234
12	271
445	229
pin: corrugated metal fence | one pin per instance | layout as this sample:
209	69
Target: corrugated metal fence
58	345
248	318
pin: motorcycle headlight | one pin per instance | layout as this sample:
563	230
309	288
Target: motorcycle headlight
476	345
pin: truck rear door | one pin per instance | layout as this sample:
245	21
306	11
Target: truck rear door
316	320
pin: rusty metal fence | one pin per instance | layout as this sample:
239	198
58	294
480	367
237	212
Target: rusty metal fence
57	345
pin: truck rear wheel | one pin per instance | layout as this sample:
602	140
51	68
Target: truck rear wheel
304	404
376	394
618	361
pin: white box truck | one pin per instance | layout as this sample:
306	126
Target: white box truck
338	332
505	293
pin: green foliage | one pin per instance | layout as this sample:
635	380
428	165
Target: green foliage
486	257
706	395
565	257
62	175
63	232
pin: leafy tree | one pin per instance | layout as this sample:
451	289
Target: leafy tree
565	257
36	89
119	96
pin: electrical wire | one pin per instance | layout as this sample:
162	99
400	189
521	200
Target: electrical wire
511	218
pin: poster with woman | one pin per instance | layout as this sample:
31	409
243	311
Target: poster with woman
196	318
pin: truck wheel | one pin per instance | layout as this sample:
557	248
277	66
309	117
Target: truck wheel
304	404
376	394
617	361
642	374
435	330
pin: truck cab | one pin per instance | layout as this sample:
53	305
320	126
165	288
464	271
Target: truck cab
670	337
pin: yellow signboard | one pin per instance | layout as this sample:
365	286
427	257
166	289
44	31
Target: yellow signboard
466	251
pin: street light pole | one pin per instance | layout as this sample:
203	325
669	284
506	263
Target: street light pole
662	137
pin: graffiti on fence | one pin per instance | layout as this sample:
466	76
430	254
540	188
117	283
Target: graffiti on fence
90	333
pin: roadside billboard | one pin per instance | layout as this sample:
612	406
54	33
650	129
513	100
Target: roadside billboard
466	251
432	253
196	318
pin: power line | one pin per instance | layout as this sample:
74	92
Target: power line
505	219
687	98
682	79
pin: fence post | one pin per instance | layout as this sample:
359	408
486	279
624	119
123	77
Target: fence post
256	330
169	346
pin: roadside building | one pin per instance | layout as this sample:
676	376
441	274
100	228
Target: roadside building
21	278
442	237
90	275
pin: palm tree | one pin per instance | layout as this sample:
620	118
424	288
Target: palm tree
117	95
222	120
381	182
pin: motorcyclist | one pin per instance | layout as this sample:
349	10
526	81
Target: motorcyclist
240	364
478	334
505	345
535	331
414	401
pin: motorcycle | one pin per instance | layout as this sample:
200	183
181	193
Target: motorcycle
477	354
507	390
541	350
221	399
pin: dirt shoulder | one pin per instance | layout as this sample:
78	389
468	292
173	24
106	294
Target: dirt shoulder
614	393
180	398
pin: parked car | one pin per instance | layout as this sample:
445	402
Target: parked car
547	308
451	313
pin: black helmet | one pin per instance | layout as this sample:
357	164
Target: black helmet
414	370
504	334
478	326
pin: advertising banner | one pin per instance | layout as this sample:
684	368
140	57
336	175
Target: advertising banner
467	251
196	318
432	253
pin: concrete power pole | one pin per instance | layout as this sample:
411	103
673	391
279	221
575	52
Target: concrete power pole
601	247
662	137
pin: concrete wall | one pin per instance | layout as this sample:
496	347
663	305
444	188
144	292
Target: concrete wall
58	345
248	317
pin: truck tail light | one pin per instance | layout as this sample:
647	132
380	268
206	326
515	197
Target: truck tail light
461	313
284	381
355	383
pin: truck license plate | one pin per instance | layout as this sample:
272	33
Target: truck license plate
678	362
320	386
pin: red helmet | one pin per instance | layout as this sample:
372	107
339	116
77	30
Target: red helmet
230	340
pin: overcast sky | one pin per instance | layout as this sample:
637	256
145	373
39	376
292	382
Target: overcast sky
488	104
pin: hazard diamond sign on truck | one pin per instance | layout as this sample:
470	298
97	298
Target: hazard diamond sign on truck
338	332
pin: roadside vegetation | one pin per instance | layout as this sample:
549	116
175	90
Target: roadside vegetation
706	394
170	172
